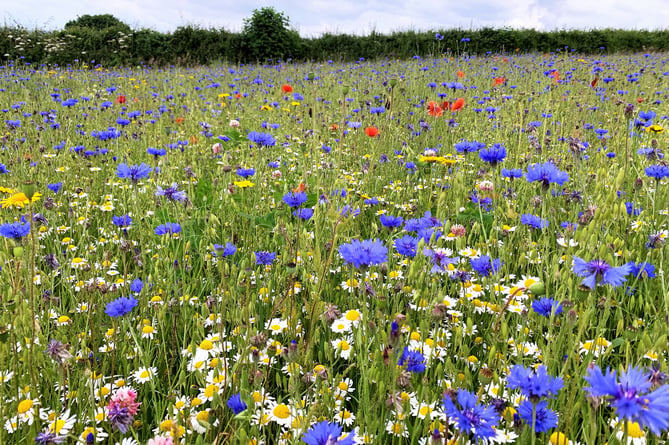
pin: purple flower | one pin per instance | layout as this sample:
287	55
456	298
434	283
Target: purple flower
264	258
119	418
172	193
599	272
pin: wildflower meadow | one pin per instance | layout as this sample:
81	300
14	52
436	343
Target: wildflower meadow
448	250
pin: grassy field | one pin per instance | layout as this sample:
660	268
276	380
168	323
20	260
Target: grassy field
427	251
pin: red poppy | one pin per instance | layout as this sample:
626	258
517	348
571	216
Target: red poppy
555	74
639	99
458	104
179	120
238	96
334	127
433	109
460	74
120	100
286	88
498	81
446	105
371	131
594	82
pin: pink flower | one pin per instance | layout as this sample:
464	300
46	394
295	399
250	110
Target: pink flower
161	440
125	398
217	148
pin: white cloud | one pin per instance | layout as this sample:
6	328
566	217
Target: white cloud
312	18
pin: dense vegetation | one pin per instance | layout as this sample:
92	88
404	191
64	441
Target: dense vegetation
105	40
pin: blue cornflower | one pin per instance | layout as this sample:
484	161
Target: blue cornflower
121	221
647	115
631	210
471	418
294	200
657	171
49	438
493	155
468	147
156	152
390	221
15	230
304	213
172	193
227	250
246	172
168	228
599	272
546	174
485	266
546	306
630	396
348	210
326	433
427	233
544	418
533	221
533	384
641	270
511	173
414	360
133	172
364	253
440	259
3	169
261	139
236	404
55	187
407	245
120	306
264	258
137	285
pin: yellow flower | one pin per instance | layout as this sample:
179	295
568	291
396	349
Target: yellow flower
437	159
244	184
657	129
266	108
18	200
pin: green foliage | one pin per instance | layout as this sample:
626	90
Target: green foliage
267	36
98	22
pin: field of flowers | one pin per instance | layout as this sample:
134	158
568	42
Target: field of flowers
429	251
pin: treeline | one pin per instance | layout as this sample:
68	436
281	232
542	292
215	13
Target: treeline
105	40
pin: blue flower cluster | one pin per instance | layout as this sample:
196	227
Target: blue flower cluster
364	253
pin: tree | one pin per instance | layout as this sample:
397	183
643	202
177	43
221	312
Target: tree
267	36
98	22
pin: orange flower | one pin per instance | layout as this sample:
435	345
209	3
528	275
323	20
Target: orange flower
193	140
555	74
498	81
179	120
286	88
334	127
460	74
458	104
238	96
371	131
433	109
299	188
594	82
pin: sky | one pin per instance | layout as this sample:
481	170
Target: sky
312	18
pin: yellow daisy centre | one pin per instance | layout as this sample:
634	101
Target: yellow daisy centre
281	411
24	406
